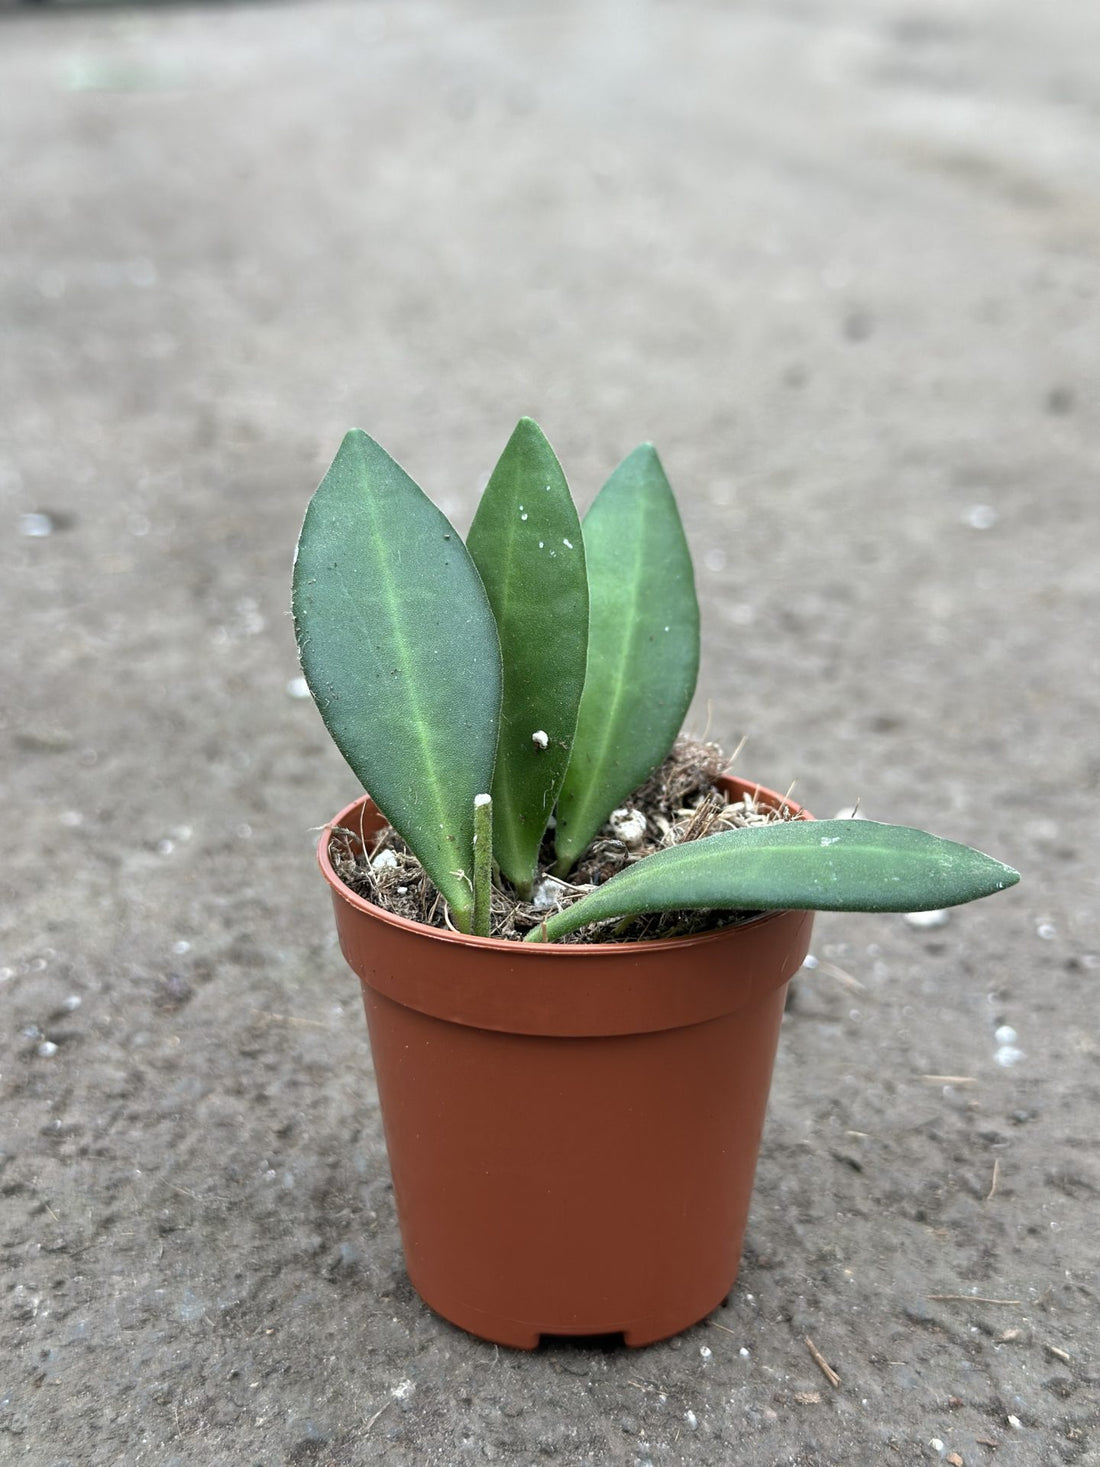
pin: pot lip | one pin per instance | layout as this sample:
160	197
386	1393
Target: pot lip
541	949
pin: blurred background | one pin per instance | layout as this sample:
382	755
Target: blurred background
839	260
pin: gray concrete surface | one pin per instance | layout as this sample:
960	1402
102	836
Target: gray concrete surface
840	260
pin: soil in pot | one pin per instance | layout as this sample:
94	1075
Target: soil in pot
686	798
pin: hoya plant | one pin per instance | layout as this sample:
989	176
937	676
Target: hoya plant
534	676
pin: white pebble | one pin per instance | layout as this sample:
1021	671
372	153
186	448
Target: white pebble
691	1419
72	1003
384	861
980	517
1015	1423
47	1049
1008	1055
938	918
809	961
35	526
540	738
743	1353
706	1352
1006	1034
181	947
936	1444
297	687
1047	931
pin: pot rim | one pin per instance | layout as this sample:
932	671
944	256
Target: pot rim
543	949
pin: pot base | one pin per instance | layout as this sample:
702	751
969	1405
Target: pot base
518	1335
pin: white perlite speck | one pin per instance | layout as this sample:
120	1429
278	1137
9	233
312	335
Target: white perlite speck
546	894
628	825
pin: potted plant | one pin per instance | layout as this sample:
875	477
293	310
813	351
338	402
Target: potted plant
572	1125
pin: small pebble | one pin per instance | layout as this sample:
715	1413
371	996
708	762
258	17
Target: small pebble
385	860
1005	1034
743	1353
809	961
1015	1423
927	919
35	525
706	1352
691	1419
981	517
1008	1055
72	1003
1047	931
47	1049
297	687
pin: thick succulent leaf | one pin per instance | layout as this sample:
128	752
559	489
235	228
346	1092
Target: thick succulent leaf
819	865
643	647
526	542
399	648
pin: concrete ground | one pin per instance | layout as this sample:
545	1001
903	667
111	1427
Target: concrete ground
840	260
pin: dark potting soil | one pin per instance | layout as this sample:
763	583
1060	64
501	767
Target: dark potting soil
681	801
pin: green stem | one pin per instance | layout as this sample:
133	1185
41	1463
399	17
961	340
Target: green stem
483	864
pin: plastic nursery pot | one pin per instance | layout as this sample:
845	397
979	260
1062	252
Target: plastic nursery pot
572	1130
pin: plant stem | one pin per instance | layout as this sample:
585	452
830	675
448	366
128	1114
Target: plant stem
483	864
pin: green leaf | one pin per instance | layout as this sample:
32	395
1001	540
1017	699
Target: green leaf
526	542
643	647
815	865
400	651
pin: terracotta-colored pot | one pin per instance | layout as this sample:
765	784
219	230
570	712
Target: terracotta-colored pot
572	1130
